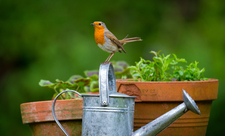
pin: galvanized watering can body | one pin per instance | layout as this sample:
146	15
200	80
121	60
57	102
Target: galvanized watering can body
112	114
116	117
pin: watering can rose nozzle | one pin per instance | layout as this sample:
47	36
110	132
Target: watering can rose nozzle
190	103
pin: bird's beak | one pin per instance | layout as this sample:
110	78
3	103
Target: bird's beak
92	24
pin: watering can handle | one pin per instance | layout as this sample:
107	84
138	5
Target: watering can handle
107	83
53	109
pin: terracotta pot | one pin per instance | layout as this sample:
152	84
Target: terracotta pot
39	117
156	98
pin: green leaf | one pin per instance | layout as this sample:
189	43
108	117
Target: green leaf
205	79
140	62
181	73
168	61
123	64
175	56
63	85
182	60
118	68
89	73
155	53
157	59
59	98
136	75
124	77
73	78
95	90
94	87
46	83
167	56
124	73
132	67
87	89
82	81
94	77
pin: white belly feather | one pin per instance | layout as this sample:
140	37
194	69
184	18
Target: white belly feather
108	46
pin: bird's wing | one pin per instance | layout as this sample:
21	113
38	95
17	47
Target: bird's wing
113	38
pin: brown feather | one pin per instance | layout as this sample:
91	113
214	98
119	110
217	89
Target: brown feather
133	39
113	38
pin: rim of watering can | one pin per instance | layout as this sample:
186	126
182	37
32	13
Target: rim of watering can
111	95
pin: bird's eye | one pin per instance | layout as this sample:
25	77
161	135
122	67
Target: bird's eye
99	24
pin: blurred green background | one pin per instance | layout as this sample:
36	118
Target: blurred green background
51	40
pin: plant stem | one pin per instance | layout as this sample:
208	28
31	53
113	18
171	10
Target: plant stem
58	93
74	95
140	73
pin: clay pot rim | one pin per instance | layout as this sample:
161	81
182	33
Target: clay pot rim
50	101
165	82
161	90
66	100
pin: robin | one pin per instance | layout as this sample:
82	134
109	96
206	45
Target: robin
108	42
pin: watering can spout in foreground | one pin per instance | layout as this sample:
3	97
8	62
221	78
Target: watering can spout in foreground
162	122
111	113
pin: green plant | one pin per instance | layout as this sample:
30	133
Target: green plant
75	82
121	69
160	69
84	84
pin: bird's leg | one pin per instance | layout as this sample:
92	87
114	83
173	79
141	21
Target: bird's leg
110	56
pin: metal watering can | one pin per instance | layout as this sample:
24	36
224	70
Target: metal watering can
111	113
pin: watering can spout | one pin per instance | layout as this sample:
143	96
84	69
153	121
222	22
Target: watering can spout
162	122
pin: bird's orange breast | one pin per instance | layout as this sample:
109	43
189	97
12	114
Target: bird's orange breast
99	36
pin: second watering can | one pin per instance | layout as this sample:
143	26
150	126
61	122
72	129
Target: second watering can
111	113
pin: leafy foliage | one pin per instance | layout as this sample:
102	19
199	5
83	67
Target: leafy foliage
145	70
75	82
159	69
84	84
121	69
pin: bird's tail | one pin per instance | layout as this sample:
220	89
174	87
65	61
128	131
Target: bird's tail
133	39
